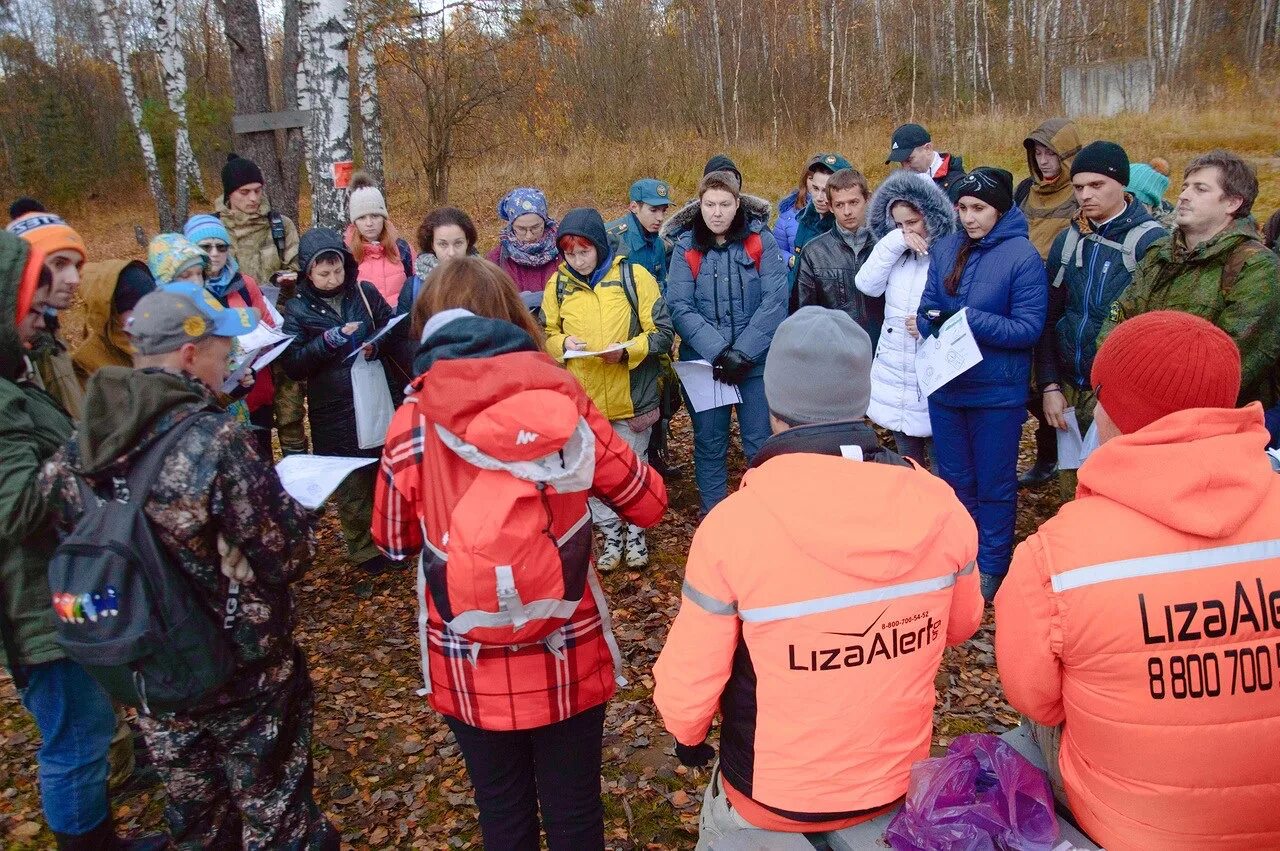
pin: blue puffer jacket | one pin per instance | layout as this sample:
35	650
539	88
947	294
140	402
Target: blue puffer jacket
732	303
785	229
1006	291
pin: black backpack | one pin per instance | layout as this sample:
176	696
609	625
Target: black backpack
126	612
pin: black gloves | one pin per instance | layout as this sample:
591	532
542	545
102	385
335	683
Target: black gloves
731	366
936	322
695	756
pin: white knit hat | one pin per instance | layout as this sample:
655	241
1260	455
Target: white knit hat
365	201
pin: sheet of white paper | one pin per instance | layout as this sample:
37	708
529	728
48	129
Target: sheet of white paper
395	320
1090	441
268	355
271	294
262	337
570	355
703	390
310	479
238	369
853	452
941	358
1071	452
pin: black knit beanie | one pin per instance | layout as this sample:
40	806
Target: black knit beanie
239	172
24	205
134	282
721	162
1106	158
992	186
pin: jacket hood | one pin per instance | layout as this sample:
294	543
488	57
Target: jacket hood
926	196
105	341
589	224
807	496
1202	471
755	209
788	201
469	337
318	241
14	254
122	407
1059	135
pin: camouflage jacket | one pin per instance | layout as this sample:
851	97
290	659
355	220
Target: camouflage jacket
253	245
1233	281
214	483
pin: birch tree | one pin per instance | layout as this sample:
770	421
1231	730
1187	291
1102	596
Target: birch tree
106	12
325	27
173	74
367	88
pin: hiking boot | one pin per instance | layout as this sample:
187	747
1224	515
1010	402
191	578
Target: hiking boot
611	553
659	458
103	838
1041	473
637	548
375	566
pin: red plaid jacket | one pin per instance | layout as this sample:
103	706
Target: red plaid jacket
420	481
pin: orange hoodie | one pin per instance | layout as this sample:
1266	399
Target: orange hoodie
817	602
1146	616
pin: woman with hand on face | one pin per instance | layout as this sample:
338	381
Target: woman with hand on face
600	302
385	260
993	271
526	248
231	288
906	215
445	233
727	290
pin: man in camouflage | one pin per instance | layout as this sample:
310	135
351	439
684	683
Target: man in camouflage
237	766
265	244
1216	266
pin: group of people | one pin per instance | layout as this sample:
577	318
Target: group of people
533	389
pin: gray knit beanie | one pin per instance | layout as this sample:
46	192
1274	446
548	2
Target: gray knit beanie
819	368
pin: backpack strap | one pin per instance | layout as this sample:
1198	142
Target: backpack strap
1070	245
1131	241
1235	263
633	298
1023	191
277	232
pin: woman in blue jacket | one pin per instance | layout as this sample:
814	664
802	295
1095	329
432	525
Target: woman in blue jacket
727	292
992	269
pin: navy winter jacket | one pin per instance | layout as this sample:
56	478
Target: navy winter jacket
1006	292
732	303
1094	278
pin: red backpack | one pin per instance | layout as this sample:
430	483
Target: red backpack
515	560
753	245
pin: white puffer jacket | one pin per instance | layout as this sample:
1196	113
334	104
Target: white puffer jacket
899	274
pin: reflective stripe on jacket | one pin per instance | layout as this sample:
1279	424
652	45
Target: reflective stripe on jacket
1146	616
815	623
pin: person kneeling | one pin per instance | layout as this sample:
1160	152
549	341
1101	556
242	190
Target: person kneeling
817	601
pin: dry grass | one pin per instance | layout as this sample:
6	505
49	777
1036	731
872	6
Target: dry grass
596	172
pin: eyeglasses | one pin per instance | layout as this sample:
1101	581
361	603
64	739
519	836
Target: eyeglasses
531	231
213	247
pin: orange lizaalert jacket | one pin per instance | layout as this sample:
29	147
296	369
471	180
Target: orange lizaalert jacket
1146	616
817	602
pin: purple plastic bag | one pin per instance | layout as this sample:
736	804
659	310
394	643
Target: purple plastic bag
982	796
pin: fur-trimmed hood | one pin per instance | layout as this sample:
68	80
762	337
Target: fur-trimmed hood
754	207
925	195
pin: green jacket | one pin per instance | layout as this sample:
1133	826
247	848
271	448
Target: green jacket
32	428
1233	281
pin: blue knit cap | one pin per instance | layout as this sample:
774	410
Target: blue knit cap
525	199
204	226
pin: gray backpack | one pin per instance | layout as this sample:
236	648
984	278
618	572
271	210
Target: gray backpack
125	611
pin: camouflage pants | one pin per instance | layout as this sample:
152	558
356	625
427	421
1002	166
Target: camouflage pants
290	410
1084	401
238	774
355	512
120	758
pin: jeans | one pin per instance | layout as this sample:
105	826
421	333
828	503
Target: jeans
711	439
918	449
76	723
977	454
555	768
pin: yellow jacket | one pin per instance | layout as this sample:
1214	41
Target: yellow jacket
603	315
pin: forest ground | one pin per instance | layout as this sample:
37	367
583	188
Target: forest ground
387	772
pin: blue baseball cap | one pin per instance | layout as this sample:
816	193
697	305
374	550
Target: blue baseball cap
164	320
655	193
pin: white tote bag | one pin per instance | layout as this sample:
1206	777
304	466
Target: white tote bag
372	399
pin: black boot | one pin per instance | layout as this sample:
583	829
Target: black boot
1045	469
1041	473
103	838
